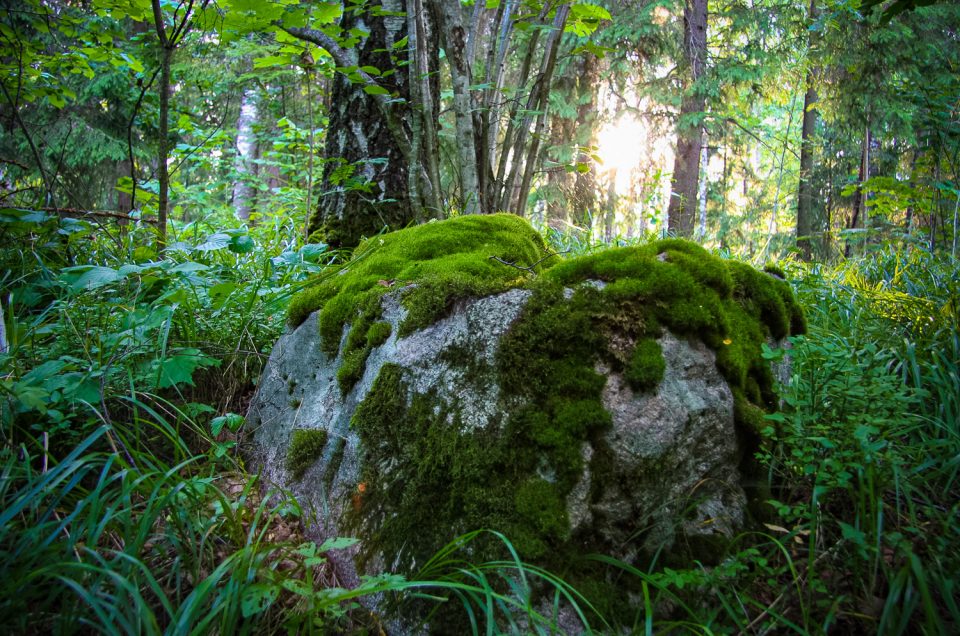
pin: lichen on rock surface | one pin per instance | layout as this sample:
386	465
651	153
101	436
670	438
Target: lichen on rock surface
470	379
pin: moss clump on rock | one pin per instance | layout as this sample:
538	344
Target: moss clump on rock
422	470
446	260
646	366
434	264
306	447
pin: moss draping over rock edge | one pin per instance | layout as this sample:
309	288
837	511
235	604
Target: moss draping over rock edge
420	471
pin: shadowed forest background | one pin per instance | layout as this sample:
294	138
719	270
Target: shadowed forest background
173	172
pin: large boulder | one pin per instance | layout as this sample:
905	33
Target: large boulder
457	376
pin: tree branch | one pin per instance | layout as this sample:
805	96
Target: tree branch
531	267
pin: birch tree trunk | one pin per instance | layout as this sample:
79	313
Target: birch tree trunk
244	166
686	167
366	180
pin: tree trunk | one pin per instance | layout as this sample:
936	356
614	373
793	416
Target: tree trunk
702	186
610	214
3	330
369	151
805	207
686	168
244	166
859	199
454	39
546	76
163	151
585	186
805	204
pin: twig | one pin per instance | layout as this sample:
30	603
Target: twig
33	147
527	269
75	212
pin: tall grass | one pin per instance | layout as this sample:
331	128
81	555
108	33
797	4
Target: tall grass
124	506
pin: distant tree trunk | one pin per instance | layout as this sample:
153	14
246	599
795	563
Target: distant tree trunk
370	149
686	168
858	219
543	88
610	215
183	14
562	130
489	116
3	330
585	185
702	186
163	150
244	166
425	101
805	204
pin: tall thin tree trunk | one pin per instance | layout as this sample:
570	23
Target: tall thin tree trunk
702	186
610	214
369	147
454	38
859	198
546	77
805	203
163	152
585	185
680	215
244	166
3	329
424	88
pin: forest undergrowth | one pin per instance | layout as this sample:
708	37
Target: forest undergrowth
126	506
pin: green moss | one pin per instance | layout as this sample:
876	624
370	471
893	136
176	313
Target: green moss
446	260
351	369
646	365
542	509
434	264
306	446
422	471
378	333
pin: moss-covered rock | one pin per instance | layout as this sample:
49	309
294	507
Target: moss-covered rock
306	447
434	264
606	403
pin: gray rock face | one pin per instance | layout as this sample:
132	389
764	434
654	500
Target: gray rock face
670	458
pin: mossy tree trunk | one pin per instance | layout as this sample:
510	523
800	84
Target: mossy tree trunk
686	169
375	136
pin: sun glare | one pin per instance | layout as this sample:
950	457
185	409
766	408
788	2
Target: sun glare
619	145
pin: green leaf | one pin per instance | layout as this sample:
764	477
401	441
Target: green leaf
270	61
297	587
337	544
242	244
179	367
93	277
257	598
216	241
220	292
325	12
232	421
373	89
188	267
